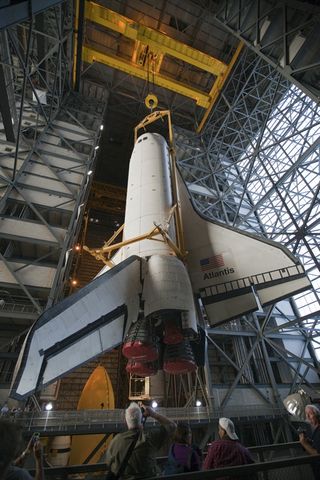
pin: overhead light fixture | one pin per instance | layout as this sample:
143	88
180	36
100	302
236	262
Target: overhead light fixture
295	403
74	282
154	404
90	172
264	27
294	48
96	147
49	407
198	403
101	127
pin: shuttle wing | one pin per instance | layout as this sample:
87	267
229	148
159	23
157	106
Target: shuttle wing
82	326
234	271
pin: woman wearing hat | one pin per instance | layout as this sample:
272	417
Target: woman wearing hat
227	451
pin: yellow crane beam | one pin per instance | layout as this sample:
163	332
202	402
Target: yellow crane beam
156	40
154	45
91	55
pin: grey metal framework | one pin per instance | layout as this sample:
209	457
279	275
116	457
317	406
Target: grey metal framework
48	136
97	421
284	33
256	167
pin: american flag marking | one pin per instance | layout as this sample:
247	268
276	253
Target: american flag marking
216	261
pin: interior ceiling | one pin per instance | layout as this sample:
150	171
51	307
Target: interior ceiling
191	23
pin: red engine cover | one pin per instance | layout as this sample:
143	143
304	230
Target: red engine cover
172	333
177	366
141	369
147	352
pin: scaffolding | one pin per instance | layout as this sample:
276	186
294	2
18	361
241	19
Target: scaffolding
48	138
255	167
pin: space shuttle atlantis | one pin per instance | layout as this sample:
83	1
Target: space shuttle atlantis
172	266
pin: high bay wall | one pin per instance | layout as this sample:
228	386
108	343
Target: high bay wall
256	167
48	135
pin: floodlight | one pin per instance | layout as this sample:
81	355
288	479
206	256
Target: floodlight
49	407
295	403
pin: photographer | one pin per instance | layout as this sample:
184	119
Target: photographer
312	445
132	454
16	470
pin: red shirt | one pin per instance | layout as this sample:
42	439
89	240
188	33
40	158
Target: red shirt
226	453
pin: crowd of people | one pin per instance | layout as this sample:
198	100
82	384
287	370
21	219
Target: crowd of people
132	454
6	411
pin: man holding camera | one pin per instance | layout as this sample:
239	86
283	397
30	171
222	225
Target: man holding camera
312	445
10	466
132	454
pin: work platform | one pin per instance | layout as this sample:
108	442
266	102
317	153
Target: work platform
70	422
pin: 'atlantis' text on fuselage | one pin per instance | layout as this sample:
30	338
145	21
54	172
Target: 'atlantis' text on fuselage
221	273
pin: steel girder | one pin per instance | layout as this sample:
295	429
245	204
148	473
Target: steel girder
256	167
146	42
16	12
45	176
285	34
152	55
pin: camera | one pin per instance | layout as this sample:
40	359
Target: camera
35	438
301	430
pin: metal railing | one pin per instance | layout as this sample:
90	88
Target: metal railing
295	468
95	421
271	277
19	308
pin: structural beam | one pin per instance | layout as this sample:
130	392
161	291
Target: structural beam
20	11
5	108
78	42
108	198
149	48
91	55
285	34
156	40
218	85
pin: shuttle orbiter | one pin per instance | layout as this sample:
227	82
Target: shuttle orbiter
170	258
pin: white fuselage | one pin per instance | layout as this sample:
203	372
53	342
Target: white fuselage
149	197
166	282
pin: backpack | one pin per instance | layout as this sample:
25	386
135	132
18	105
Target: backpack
172	466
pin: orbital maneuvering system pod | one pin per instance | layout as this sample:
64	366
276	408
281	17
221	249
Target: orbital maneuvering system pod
170	259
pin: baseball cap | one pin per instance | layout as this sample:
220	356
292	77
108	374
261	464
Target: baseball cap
228	426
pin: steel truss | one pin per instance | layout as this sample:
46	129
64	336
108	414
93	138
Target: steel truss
285	34
45	169
256	167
